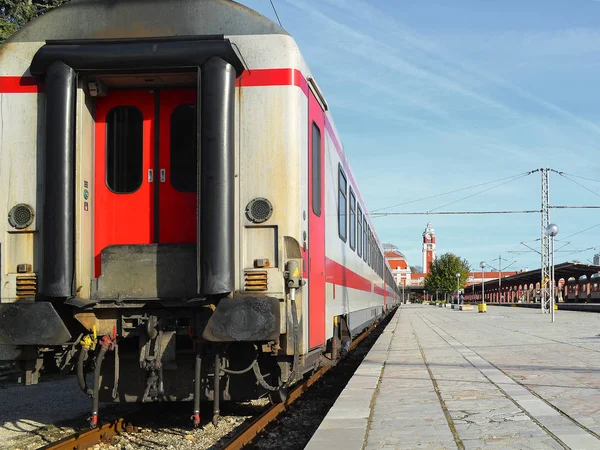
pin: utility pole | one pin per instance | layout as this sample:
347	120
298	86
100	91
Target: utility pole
500	273
545	243
500	277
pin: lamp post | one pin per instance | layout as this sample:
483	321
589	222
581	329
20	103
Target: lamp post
458	288
482	265
552	231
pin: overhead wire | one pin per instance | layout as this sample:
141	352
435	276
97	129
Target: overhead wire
580	251
582	231
562	174
452	192
415	213
276	15
505	180
580	176
485	190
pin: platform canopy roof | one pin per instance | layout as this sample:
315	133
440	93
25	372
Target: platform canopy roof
563	270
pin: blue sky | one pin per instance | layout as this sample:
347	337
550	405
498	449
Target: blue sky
431	96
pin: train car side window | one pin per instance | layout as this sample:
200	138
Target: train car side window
359	228
352	229
342	197
183	154
370	248
124	149
370	257
316	169
365	242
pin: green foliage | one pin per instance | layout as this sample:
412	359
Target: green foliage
14	14
442	274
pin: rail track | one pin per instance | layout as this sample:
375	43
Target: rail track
127	424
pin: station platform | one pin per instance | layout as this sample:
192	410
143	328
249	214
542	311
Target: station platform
440	378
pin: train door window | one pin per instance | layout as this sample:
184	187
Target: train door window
359	228
316	169
342	197
365	246
124	149
183	154
352	228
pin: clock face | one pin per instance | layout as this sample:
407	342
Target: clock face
428	237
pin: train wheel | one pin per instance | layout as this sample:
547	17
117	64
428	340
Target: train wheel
280	396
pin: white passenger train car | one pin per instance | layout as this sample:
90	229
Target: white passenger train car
174	183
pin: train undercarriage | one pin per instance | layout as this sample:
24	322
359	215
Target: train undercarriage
211	350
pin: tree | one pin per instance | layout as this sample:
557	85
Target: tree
442	273
14	14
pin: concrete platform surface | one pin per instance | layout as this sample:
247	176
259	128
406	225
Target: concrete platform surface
439	378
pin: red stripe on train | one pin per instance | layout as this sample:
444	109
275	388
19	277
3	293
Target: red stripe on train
339	275
19	85
249	78
379	291
273	77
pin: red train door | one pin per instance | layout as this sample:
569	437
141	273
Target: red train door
143	197
124	160
316	223
177	167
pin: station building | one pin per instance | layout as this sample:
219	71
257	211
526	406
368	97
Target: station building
403	275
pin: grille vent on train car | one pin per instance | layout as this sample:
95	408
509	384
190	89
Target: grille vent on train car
20	216
255	280
26	285
259	210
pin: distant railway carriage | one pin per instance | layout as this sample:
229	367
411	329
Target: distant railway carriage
572	290
595	288
179	204
582	289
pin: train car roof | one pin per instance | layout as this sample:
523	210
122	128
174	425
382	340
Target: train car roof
102	19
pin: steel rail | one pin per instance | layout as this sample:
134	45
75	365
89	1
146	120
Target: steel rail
85	439
247	435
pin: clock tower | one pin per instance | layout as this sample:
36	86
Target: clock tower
428	247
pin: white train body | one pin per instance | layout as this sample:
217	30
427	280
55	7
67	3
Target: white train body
113	240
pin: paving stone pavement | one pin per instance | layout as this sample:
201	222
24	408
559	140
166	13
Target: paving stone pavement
439	378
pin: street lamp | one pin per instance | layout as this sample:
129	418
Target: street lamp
458	288
482	265
403	294
552	231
